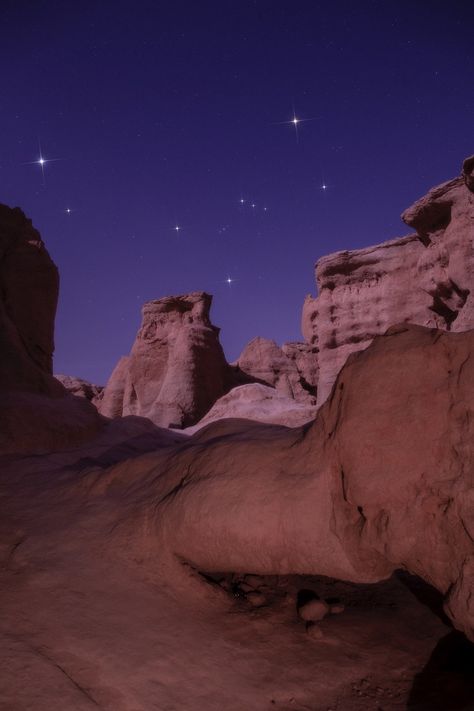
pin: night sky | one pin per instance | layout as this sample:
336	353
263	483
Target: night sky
168	114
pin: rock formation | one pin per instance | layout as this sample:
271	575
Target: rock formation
79	387
383	479
29	284
176	369
424	279
260	403
36	412
291	369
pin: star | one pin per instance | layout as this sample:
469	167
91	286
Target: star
41	161
229	280
324	186
241	201
177	228
254	205
68	210
295	121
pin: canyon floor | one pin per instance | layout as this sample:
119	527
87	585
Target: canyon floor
87	624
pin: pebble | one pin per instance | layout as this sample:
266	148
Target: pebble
256	599
313	611
314	631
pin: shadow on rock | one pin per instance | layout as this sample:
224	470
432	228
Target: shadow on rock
447	680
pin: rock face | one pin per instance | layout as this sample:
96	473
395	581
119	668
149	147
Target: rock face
29	284
260	403
36	412
79	387
176	369
424	279
381	480
291	369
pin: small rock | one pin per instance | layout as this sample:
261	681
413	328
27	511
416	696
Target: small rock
255	581
314	631
313	611
256	599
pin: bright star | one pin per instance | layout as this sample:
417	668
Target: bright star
41	161
254	205
177	228
68	210
295	121
324	186
241	201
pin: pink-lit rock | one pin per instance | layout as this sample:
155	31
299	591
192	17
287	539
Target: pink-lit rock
176	369
291	369
425	278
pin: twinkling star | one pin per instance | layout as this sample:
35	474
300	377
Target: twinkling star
324	186
68	211
177	228
295	121
41	161
241	200
229	280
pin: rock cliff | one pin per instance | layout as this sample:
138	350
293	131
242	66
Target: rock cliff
36	412
425	278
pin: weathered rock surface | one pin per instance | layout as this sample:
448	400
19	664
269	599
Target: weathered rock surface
79	387
176	369
424	279
100	563
260	403
383	479
291	369
36	412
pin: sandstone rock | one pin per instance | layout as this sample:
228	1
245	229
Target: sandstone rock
29	284
79	387
291	369
382	480
36	412
424	279
468	172
176	369
314	631
313	610
260	403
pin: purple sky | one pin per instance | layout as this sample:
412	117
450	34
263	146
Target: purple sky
163	114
